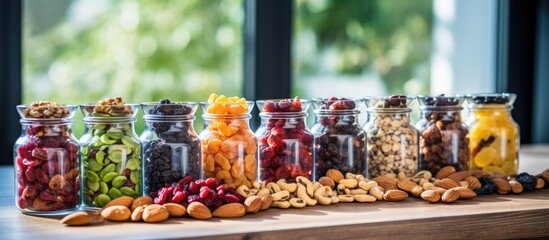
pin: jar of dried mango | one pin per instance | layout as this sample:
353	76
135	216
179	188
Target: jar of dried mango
229	146
494	135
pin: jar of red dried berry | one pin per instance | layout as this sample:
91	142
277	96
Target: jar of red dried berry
392	139
443	135
46	160
229	146
339	140
171	147
285	142
111	153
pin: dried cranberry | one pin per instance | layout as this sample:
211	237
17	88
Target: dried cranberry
29	162
194	198
193	188
177	197
162	196
21	203
217	203
230	198
186	180
208	201
204	191
48	195
211	183
30	175
41	176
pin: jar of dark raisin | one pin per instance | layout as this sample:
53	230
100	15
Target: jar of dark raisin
443	135
339	140
494	135
46	160
111	153
285	143
392	139
171	147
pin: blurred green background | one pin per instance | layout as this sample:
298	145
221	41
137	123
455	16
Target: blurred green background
81	51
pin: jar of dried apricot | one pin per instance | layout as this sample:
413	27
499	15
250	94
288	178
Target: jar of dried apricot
494	135
229	146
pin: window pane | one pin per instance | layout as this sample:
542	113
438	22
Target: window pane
85	50
357	48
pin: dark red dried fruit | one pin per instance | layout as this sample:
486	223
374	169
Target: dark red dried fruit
230	198
162	196
194	188
204	191
177	197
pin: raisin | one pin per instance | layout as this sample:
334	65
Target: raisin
528	181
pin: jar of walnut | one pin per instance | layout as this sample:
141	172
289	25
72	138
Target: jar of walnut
392	140
443	136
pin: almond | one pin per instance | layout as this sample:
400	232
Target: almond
407	185
137	214
445	172
231	210
175	209
385	179
121	201
116	213
502	186
430	196
327	181
478	173
199	211
377	192
266	200
465	193
463	184
545	175
417	190
395	195
446	183
253	204
473	182
516	187
335	174
540	184
77	219
155	213
140	201
451	195
458	176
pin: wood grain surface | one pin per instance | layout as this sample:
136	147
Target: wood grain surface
486	217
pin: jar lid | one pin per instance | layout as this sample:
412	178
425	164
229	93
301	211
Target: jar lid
288	107
441	102
46	111
491	100
394	103
166	109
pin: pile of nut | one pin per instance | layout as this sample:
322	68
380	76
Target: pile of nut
46	109
110	107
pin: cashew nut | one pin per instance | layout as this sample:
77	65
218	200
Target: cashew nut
324	195
346	198
297	203
290	187
367	185
263	192
273	187
358	191
350	175
334	198
364	198
243	190
402	176
425	174
360	177
317	185
281	196
377	192
253	191
341	189
347	191
256	185
302	193
307	183
423	181
349	183
281	204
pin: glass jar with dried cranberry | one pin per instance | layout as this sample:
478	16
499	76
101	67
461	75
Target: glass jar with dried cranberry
171	147
111	153
443	135
392	140
229	146
46	160
339	141
285	142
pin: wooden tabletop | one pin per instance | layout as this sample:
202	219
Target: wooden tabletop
486	217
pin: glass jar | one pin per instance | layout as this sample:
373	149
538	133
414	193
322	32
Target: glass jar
111	154
392	139
171	147
339	140
46	160
229	146
285	143
443	135
494	135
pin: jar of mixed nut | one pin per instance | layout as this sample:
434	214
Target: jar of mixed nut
494	135
46	160
285	143
171	147
392	140
229	147
443	136
110	151
339	142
